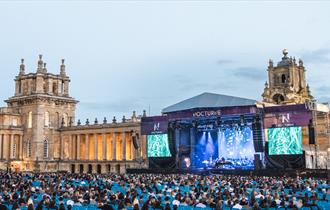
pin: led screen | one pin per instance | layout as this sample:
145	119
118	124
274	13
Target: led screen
158	146
285	141
230	147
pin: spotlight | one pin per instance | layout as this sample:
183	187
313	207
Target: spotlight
187	161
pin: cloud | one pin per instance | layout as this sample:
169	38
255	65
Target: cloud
249	73
317	56
323	99
323	89
121	106
189	83
224	61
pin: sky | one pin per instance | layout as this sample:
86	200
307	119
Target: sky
134	55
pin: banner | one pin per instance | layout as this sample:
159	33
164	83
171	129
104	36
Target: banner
289	115
154	125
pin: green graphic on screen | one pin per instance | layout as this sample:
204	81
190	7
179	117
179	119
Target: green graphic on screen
285	141
158	146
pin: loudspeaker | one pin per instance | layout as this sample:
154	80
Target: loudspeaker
171	140
135	138
257	135
257	161
311	134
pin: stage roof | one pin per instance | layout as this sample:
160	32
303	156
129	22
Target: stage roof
209	100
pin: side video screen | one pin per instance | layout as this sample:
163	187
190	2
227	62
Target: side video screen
158	145
285	141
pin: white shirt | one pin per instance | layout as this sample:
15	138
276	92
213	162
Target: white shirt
176	202
201	205
237	206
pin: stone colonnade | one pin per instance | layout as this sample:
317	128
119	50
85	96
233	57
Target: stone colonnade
112	146
11	146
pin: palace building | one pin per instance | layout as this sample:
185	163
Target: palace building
39	130
38	133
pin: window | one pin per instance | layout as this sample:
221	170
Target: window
19	87
28	148
45	148
45	86
55	88
62	87
283	78
58	120
14	122
30	120
47	122
14	150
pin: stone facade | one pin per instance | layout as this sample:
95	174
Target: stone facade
286	82
37	131
287	85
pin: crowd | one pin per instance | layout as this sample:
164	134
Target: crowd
150	191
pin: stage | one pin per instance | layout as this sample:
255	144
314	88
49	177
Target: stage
232	138
227	142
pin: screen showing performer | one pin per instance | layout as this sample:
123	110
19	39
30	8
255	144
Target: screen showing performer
230	147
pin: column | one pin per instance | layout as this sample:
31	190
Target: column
61	147
66	87
1	147
133	151
124	145
21	147
50	86
95	146
12	146
113	146
177	145
78	147
192	145
4	147
87	146
71	151
104	146
59	87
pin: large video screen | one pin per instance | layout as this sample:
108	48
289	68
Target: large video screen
230	147
285	141
158	146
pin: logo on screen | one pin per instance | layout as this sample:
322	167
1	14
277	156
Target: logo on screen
285	118
156	126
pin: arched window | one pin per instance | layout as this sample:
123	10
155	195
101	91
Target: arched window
30	120
19	87
47	121
28	148
62	87
55	88
45	148
58	120
283	78
278	98
45	86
